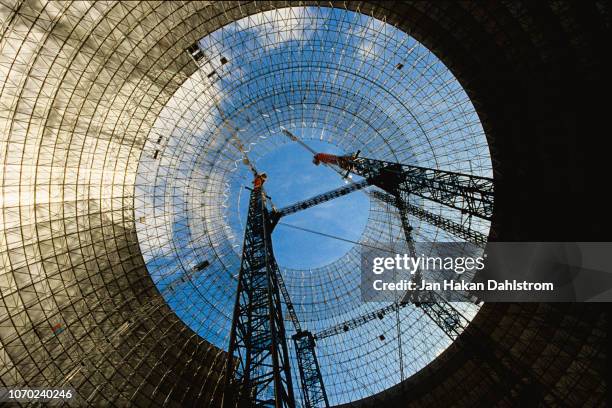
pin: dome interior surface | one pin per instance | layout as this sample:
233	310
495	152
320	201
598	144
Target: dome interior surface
88	88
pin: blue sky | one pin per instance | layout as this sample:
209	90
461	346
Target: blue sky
293	177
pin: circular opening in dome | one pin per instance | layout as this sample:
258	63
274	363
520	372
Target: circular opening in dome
318	235
341	81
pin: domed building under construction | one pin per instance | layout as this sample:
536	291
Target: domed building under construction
188	189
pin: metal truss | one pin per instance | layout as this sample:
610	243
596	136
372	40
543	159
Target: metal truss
262	377
445	316
358	321
441	312
311	379
310	373
450	226
468	193
321	198
289	304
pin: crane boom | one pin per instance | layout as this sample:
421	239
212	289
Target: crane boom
468	193
359	320
321	198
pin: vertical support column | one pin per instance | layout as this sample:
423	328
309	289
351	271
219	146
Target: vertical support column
257	371
400	204
509	371
310	373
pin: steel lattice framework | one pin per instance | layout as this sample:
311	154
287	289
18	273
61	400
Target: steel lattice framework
138	176
120	226
321	198
245	87
313	388
467	193
262	377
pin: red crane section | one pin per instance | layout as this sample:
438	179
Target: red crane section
326	158
259	180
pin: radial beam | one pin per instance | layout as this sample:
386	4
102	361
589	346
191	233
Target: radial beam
466	192
262	377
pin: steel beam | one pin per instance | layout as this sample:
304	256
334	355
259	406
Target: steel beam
310	372
322	198
465	192
262	377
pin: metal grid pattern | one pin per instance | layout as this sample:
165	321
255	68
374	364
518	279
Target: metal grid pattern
83	86
325	74
78	308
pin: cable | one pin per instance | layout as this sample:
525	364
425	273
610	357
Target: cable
335	237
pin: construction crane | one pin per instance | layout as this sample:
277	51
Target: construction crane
262	376
311	379
475	198
294	138
240	380
258	259
452	227
470	194
310	373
